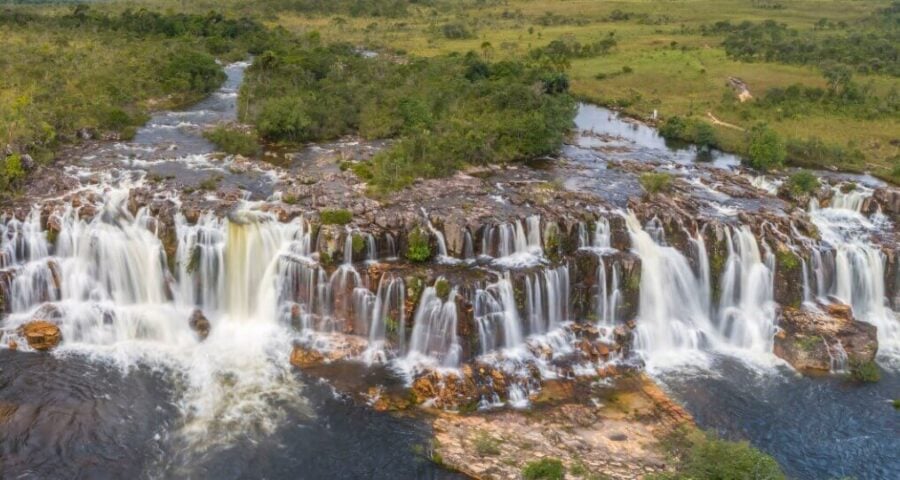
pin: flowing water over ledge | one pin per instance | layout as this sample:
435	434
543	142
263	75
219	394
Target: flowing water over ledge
132	392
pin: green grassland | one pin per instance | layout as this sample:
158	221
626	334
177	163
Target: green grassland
672	67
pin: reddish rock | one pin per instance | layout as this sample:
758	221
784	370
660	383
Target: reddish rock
305	357
41	334
814	341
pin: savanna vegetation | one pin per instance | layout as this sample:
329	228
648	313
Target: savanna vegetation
445	112
73	72
822	75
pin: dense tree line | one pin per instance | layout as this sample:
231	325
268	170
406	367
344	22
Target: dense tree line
446	112
872	46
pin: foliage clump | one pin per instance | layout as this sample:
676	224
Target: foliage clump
864	371
689	130
418	245
705	457
544	469
335	216
233	141
765	149
486	445
656	182
803	182
444	112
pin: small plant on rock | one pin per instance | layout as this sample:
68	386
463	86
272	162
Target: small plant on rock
654	182
544	469
335	216
419	247
486	445
864	371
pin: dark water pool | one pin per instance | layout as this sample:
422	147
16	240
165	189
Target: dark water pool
817	428
74	418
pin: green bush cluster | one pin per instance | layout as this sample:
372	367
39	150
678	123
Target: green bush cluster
869	46
233	141
418	247
864	371
544	469
11	172
813	152
802	183
446	112
654	182
705	457
335	216
765	149
689	130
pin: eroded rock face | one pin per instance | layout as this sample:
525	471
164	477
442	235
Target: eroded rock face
200	324
41	335
822	341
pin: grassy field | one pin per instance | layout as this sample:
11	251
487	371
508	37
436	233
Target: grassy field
672	68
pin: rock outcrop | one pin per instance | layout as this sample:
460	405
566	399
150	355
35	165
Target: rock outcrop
824	340
41	335
199	324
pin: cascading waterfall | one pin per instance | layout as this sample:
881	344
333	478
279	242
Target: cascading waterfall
672	313
499	325
547	299
609	296
514	244
434	337
850	266
746	313
385	315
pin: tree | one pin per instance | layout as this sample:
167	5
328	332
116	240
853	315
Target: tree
765	149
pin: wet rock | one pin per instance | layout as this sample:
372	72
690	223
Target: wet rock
12	344
199	324
41	334
824	340
303	357
889	199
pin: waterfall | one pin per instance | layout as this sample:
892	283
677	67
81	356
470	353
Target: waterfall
498	320
746	313
602	234
849	266
515	244
547	299
434	338
609	296
672	316
439	236
385	315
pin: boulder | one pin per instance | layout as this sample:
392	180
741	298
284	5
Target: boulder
303	357
824	340
199	324
41	334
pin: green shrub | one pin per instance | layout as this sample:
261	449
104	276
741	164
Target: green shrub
486	445
802	182
765	149
357	243
544	469
715	459
689	130
336	216
656	182
232	141
896	403
442	288
864	371
419	245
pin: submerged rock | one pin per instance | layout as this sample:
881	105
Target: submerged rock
200	324
302	357
824	340
41	334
